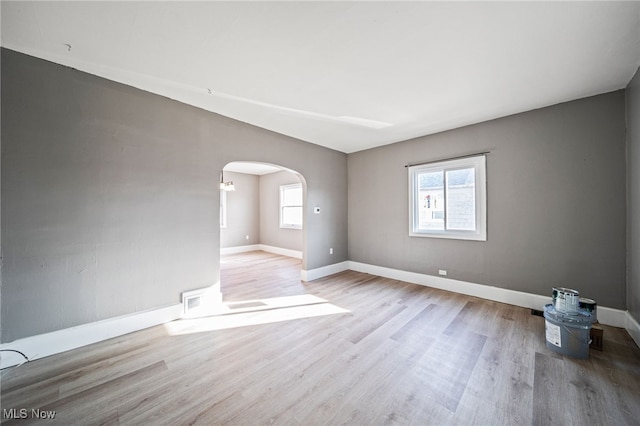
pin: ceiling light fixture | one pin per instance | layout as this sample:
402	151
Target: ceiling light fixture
226	186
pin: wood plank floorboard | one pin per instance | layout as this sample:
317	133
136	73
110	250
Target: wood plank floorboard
352	349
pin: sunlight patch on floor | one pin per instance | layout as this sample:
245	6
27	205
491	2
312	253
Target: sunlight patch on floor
254	312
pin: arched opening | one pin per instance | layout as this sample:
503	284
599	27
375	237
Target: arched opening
262	230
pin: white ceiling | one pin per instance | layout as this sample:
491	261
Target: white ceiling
346	75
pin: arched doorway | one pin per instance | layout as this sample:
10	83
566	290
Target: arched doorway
262	232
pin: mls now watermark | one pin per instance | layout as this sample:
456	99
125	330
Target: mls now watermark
24	413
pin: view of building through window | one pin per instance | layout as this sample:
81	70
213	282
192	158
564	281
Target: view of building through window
460	200
448	199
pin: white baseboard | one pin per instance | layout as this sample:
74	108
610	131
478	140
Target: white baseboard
633	328
240	249
47	344
613	317
324	271
608	316
282	251
262	247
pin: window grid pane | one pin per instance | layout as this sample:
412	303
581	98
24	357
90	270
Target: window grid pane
431	197
292	197
461	199
291	211
292	216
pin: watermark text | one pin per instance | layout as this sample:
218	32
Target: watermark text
28	413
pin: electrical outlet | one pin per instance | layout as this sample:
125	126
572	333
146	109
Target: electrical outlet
442	272
331	250
246	237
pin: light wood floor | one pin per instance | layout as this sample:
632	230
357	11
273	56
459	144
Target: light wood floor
357	349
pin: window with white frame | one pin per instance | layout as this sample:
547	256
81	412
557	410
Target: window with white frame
447	199
291	206
223	209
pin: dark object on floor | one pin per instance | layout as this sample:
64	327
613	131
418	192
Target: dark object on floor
597	336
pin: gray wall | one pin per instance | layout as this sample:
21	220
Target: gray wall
110	196
243	211
556	202
633	174
270	232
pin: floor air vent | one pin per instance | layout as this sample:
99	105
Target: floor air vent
201	302
192	302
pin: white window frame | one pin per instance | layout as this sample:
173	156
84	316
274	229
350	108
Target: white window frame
478	163
283	188
223	208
